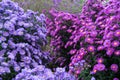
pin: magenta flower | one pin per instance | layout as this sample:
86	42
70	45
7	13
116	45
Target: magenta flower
115	79
107	43
115	43
100	60
100	48
114	67
89	40
91	48
110	51
117	33
117	53
99	67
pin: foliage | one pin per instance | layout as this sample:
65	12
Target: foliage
72	6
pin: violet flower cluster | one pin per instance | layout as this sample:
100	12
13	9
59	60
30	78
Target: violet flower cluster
104	50
94	38
60	27
22	34
42	73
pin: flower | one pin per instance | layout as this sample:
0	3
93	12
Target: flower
107	43
117	53
91	48
110	51
100	60
93	78
115	43
115	79
117	33
99	67
89	40
114	67
100	48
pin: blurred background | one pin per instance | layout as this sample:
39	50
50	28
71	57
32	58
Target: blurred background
72	6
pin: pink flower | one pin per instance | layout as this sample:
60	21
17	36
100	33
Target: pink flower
100	48
117	33
115	79
114	67
117	53
100	60
107	43
115	43
99	67
110	51
91	48
89	40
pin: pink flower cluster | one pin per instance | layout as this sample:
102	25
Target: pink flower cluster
95	33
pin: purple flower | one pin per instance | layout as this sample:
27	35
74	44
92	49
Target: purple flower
115	79
4	45
100	60
100	48
91	48
89	40
114	67
93	78
99	67
117	33
115	43
107	43
17	68
117	53
110	51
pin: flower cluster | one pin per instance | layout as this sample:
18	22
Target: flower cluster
94	38
60	27
22	34
105	50
42	73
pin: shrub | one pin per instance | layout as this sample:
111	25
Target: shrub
22	34
60	27
42	73
104	60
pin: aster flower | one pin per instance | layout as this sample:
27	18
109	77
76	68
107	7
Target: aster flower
115	79
114	67
117	33
99	67
107	43
110	51
91	48
100	60
42	73
22	35
117	53
115	43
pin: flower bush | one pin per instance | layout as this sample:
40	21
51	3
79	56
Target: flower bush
93	44
104	60
60	27
22	34
42	73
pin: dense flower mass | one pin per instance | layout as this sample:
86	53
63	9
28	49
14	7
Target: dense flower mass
42	73
86	45
95	40
103	55
60	26
22	34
